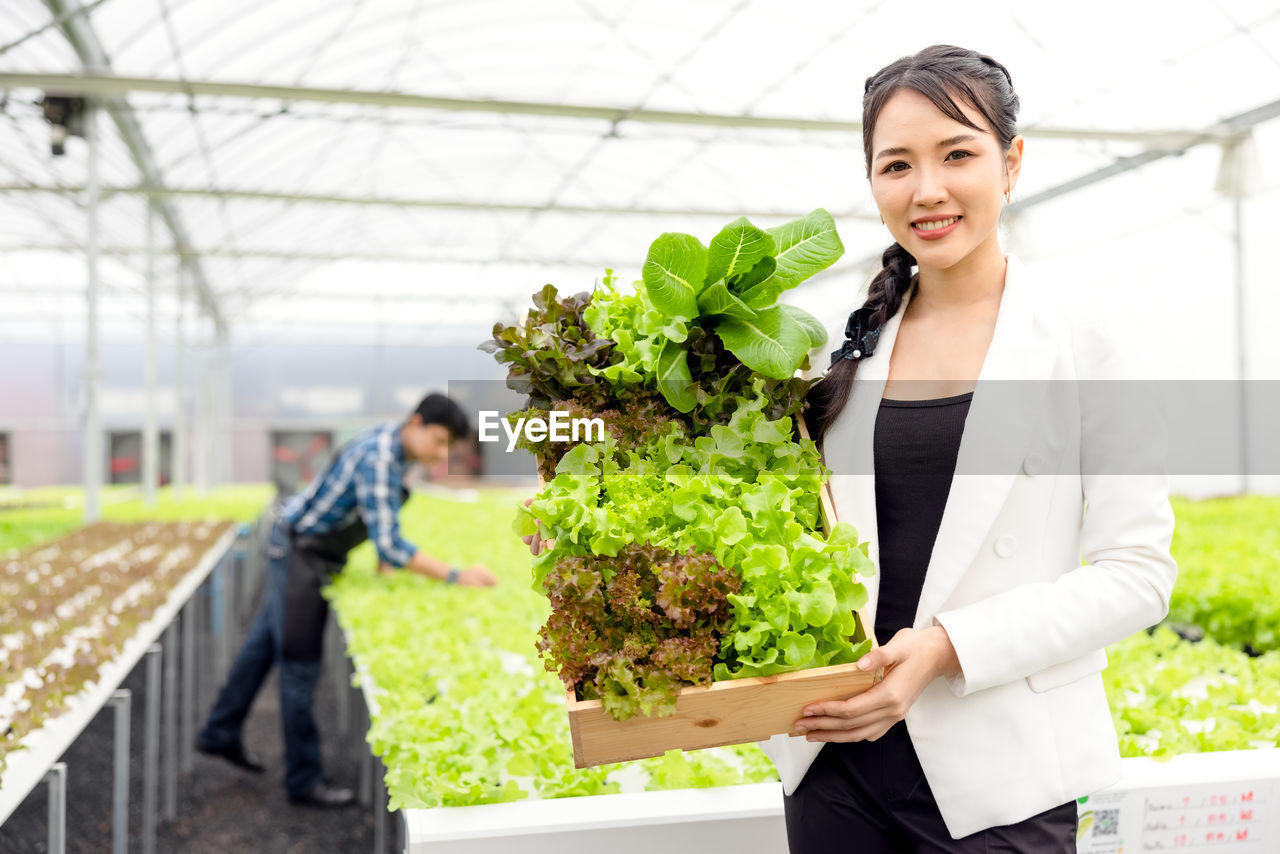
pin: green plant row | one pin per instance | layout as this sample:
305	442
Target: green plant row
468	714
35	515
1228	554
1170	696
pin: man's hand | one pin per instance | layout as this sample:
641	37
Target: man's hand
477	576
912	659
534	541
385	568
474	576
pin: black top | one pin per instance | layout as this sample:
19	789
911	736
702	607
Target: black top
915	445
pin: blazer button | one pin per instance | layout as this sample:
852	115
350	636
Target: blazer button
1006	545
1034	464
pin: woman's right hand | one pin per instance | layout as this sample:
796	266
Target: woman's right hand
534	541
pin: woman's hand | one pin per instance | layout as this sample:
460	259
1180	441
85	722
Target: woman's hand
912	659
534	541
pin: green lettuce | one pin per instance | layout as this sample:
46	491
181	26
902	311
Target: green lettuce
747	495
729	288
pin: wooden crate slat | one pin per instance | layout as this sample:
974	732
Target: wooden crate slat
735	711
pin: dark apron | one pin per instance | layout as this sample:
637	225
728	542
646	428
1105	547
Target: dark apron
313	561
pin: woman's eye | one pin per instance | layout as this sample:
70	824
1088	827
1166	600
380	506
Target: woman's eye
890	168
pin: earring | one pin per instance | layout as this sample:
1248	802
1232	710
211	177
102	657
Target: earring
1006	197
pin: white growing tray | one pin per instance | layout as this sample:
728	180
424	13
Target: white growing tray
42	747
1181	805
1152	804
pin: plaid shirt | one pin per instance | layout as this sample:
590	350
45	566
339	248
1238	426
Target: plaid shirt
364	478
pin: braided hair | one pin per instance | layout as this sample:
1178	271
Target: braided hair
941	73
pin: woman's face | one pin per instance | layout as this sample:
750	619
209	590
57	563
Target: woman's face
918	177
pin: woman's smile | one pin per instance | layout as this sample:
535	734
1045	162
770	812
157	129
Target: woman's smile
935	229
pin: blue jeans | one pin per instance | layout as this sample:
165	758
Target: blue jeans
262	648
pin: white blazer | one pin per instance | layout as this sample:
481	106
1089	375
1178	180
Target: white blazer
1026	725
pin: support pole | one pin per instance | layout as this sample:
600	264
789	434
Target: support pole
171	721
1242	337
93	464
379	809
1238	172
364	790
204	420
230	616
56	777
200	628
188	685
208	646
179	478
226	443
356	737
150	432
256	561
151	750
337	656
239	590
121	701
220	624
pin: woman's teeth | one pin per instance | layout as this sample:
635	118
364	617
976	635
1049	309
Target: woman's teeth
930	226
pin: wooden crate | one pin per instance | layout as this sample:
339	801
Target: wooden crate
735	711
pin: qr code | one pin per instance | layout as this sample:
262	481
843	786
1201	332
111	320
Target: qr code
1106	822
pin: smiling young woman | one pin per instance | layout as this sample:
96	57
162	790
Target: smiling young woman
991	718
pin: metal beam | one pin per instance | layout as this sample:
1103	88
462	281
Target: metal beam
287	255
92	438
181	433
1225	132
108	85
80	34
442	204
150	427
56	291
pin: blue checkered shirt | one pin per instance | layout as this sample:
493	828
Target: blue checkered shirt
364	479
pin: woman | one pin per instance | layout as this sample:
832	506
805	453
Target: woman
991	718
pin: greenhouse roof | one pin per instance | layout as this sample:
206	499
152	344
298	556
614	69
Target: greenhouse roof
402	163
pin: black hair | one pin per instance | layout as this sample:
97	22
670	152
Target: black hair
941	73
437	408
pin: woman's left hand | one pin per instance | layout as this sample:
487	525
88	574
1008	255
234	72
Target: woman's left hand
912	659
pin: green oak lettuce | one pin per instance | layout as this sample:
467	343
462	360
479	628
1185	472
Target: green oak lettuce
747	495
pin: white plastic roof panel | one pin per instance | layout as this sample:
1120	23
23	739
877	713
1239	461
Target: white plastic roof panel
310	208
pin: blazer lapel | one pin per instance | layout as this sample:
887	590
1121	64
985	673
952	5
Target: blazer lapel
1002	417
1002	420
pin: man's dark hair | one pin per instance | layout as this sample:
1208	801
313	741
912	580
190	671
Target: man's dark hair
436	408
